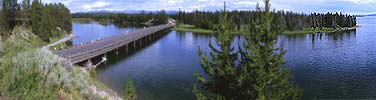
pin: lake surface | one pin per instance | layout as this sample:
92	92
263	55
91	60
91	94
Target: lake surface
325	66
88	31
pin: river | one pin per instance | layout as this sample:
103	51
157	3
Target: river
325	66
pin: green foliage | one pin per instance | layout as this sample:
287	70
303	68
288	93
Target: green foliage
156	18
221	68
8	16
290	20
30	73
25	12
311	31
190	28
46	19
36	17
264	63
130	90
161	18
259	73
332	20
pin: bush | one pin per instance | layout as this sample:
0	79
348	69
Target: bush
30	73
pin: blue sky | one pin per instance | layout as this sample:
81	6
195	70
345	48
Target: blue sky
305	6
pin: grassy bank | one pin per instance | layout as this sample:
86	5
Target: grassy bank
191	28
312	31
82	19
28	72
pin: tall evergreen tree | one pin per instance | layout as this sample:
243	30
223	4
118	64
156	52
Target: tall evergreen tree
47	23
36	18
263	67
222	68
50	20
8	16
161	18
258	74
25	12
130	90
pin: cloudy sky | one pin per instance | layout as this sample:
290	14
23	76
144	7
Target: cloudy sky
305	6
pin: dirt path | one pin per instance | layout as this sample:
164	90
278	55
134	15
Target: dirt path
67	38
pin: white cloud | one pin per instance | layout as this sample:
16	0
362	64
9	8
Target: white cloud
361	1
245	3
98	4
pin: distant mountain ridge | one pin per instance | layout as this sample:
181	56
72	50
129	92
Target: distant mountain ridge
371	15
365	15
131	11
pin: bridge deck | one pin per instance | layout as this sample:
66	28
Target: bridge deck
86	51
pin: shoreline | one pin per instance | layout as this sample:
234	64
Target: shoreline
191	28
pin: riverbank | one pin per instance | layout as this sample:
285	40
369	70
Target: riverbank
312	31
38	73
191	28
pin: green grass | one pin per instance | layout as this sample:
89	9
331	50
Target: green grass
60	45
29	72
82	19
191	28
310	31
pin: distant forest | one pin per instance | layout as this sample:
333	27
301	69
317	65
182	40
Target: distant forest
143	17
208	20
292	21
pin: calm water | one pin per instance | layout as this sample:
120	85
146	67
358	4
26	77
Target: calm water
325	66
87	31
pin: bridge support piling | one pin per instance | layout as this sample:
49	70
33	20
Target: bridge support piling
117	51
89	63
153	36
105	56
134	44
126	48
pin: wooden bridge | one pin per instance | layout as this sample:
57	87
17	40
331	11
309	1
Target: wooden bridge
86	51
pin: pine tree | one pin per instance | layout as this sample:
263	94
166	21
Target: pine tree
161	18
263	67
25	12
47	23
258	74
50	20
8	16
36	18
130	90
65	18
222	68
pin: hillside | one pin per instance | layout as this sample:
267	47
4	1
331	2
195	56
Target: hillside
29	72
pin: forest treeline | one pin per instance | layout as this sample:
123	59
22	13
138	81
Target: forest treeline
45	20
143	17
291	21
